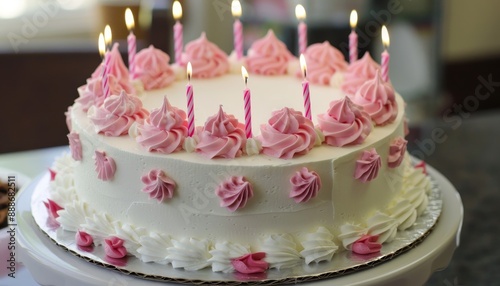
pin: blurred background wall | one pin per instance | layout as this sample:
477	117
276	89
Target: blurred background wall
439	49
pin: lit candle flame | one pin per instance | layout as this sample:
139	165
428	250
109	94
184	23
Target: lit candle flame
236	8
129	19
300	12
354	19
102	45
385	37
107	36
177	10
189	71
244	74
303	65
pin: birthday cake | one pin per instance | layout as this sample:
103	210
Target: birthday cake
209	169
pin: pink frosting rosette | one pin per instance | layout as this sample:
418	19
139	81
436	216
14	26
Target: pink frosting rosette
83	239
92	93
117	114
397	151
323	60
268	56
75	146
207	59
164	131
378	99
158	185
117	68
222	137
152	68
234	193
288	133
251	263
305	185
105	166
367	166
367	244
114	248
358	73
344	123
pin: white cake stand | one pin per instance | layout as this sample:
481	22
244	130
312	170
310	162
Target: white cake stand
51	265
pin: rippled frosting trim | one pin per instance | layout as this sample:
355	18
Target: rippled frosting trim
367	166
117	114
206	58
268	56
344	123
323	60
92	93
358	73
99	226
250	263
113	247
404	214
152	68
73	215
305	185
318	246
281	251
190	254
287	134
52	209
75	146
154	248
117	69
378	99
105	166
367	244
164	131
397	151
349	233
130	235
234	193
383	226
224	253
222	136
158	185
83	239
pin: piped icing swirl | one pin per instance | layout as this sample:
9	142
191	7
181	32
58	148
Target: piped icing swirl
117	68
268	56
105	166
52	209
117	114
158	185
378	99
382	225
113	247
305	185
234	193
281	251
75	146
224	253
190	254
83	239
349	233
367	244
367	166
92	93
323	60
287	134
164	131
207	59
358	73
344	123
250	263
152	68
318	246
397	151
154	248
222	136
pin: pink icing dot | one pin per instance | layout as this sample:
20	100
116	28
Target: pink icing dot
75	146
397	150
113	247
305	185
158	185
104	166
367	244
367	166
83	239
52	209
234	193
250	263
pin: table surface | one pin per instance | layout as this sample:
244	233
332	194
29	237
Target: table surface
468	157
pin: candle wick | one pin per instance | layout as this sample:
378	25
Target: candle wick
246	81
305	73
189	78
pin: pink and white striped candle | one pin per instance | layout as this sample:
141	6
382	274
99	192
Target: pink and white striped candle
353	38
131	42
190	101
237	29
300	13
305	88
178	31
247	104
105	75
385	58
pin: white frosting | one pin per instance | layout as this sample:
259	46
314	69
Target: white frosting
382	225
337	79
62	188
223	253
349	233
318	246
179	71
189	144
235	64
131	237
253	147
154	248
281	251
190	254
320	137
99	226
73	215
404	214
